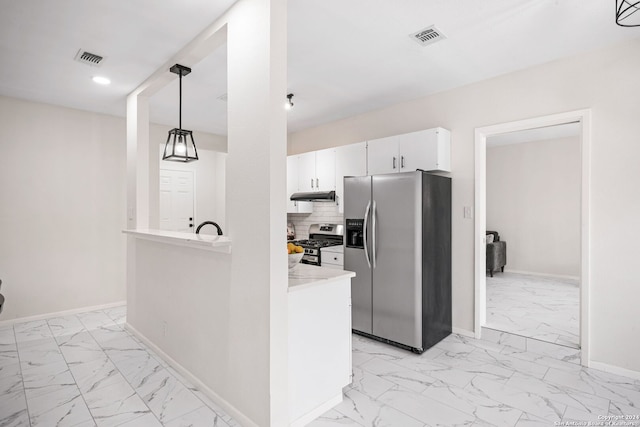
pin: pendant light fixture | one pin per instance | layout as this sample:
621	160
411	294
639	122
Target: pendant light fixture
628	13
180	146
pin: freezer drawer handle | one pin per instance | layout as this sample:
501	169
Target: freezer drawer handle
373	234
364	234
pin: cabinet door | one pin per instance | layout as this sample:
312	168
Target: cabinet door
427	150
292	182
382	156
292	187
351	160
307	172
326	170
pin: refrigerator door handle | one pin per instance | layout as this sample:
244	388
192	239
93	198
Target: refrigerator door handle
364	233
373	234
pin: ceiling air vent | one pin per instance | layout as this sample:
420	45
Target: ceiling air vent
428	36
89	58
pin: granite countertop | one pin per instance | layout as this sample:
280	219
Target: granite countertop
304	275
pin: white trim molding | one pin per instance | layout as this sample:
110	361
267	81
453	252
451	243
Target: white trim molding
536	274
481	134
61	313
615	370
463	332
226	406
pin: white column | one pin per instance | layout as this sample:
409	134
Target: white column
256	209
137	161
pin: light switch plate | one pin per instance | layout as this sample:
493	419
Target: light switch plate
468	212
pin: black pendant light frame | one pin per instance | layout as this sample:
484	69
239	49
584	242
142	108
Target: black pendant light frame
624	11
180	146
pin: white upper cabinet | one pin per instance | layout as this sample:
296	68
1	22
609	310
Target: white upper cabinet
326	170
292	187
351	160
307	172
382	155
429	150
317	170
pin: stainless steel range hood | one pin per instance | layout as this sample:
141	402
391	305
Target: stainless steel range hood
315	196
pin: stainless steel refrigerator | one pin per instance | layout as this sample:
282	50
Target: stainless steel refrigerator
398	241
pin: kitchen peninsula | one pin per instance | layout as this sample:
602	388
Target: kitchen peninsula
178	305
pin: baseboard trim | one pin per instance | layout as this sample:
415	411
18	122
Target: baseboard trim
216	398
550	276
326	406
61	313
463	332
614	370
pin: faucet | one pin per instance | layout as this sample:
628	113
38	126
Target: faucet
212	223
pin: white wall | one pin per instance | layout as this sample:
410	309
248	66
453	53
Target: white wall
533	201
62	205
605	81
62	208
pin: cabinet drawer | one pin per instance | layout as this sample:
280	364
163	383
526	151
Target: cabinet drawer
332	258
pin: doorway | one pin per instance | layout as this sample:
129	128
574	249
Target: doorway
581	119
176	200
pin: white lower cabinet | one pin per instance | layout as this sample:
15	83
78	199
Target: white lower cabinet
333	257
319	348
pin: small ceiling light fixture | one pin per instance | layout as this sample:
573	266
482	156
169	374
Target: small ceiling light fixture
180	146
101	80
289	104
627	13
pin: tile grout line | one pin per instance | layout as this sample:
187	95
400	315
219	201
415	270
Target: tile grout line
71	372
24	390
131	385
470	381
118	369
125	378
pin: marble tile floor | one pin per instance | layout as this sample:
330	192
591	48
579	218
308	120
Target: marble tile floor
466	382
546	309
86	370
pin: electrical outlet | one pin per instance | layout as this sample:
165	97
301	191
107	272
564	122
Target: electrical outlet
468	213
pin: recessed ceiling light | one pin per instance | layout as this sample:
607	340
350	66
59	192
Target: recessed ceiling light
101	80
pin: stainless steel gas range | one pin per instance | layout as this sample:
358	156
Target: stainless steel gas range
320	236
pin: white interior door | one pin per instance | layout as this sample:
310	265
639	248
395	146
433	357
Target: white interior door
176	200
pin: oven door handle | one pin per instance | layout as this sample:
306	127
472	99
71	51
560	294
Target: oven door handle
364	233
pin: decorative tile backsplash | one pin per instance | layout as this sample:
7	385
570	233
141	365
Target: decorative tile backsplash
323	212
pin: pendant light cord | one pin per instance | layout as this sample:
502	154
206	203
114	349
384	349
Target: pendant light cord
180	108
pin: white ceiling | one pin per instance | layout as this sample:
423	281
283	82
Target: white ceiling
565	130
345	57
